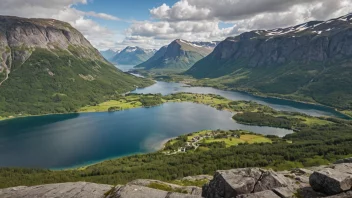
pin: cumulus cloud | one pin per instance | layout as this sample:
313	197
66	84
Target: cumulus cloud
200	19
63	10
182	10
189	30
231	10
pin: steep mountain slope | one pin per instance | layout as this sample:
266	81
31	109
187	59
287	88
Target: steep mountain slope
132	56
160	53
108	54
179	55
311	61
47	66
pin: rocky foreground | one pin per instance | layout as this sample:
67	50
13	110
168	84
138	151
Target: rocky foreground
333	181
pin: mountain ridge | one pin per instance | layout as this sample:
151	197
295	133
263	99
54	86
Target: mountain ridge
47	66
178	55
109	53
300	62
132	55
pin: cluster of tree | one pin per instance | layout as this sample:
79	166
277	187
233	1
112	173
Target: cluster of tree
153	100
264	119
112	109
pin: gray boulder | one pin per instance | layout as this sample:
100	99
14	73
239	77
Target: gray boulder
330	181
270	180
232	183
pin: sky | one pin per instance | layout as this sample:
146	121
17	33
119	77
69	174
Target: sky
115	24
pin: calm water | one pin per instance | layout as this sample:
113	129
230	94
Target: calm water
60	141
278	104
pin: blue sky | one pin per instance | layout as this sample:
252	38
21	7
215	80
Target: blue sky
116	24
127	11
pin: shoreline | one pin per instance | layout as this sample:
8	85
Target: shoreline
262	95
160	146
347	117
88	164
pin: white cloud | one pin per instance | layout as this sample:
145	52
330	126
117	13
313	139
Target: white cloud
63	10
189	30
182	10
187	19
200	19
102	16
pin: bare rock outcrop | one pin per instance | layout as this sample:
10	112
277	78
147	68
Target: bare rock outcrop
63	190
136	191
193	190
20	37
333	181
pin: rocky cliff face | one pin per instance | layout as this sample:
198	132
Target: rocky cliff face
19	37
301	59
51	64
179	55
333	181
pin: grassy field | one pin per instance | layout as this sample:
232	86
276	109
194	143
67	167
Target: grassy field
128	102
244	138
250	139
206	138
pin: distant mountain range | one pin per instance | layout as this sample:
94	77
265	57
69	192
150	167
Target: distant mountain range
179	55
49	67
310	61
132	56
108	54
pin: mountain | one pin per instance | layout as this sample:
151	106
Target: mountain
132	56
311	62
179	55
158	54
108	54
47	66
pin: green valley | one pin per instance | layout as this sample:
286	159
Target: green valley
316	141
